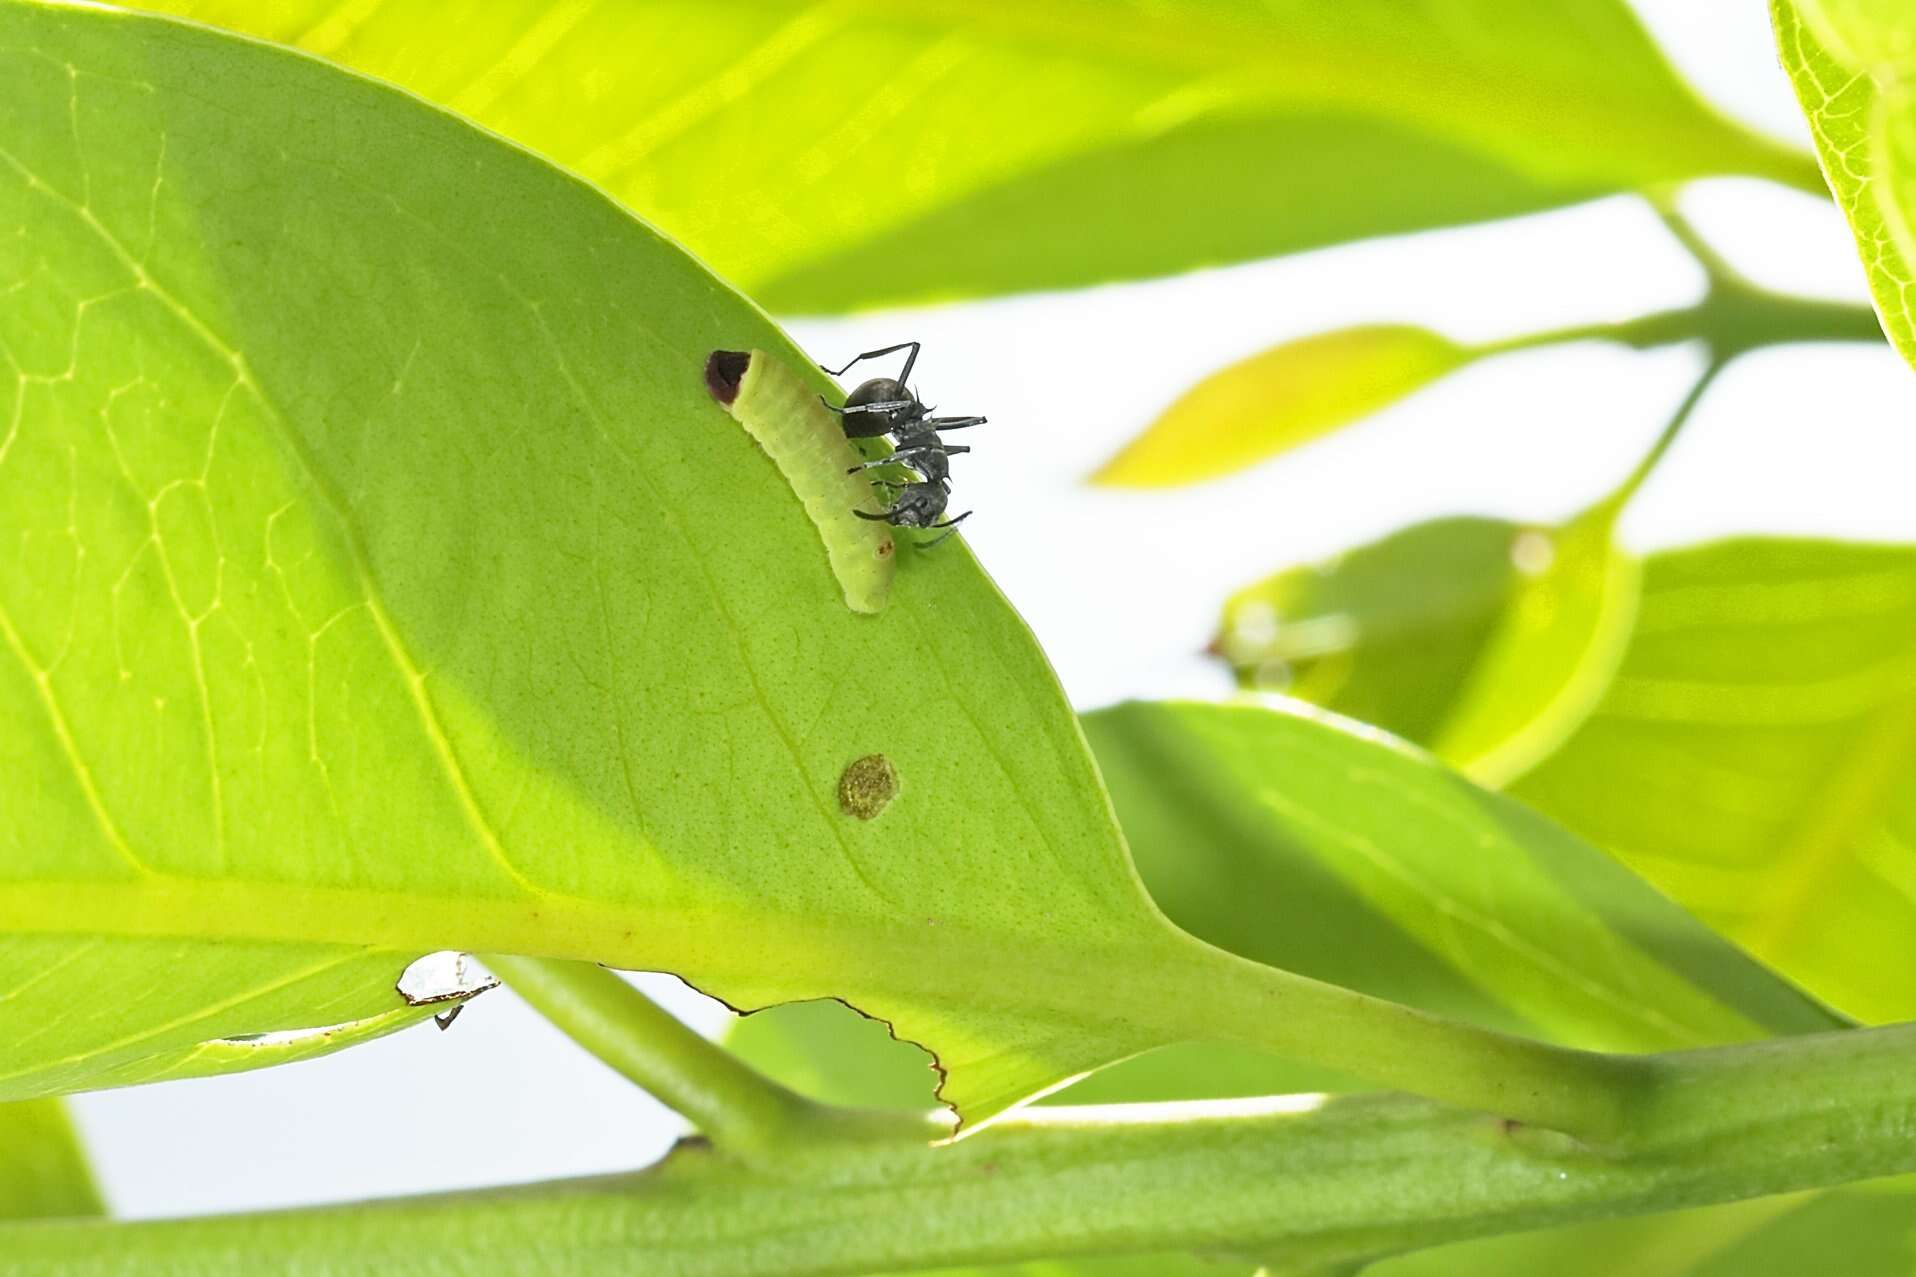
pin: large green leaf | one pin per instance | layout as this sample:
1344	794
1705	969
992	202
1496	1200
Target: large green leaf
390	580
853	154
1319	846
1767	683
1854	66
1438	894
1386	633
1755	754
1484	640
43	1173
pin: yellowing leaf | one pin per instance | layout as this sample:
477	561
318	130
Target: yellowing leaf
1277	400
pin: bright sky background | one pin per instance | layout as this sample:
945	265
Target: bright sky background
1123	588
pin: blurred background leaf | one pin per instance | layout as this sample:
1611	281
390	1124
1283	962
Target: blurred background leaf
1753	755
1551	653
1750	756
1484	640
1386	633
1853	63
1281	398
834	156
43	1172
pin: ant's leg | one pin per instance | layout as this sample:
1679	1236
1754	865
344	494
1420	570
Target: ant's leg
949	526
903	376
900	457
886	517
883	405
953	423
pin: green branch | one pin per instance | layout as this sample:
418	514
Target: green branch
1295	1180
1736	314
739	1109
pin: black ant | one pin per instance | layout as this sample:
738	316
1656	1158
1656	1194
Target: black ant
888	406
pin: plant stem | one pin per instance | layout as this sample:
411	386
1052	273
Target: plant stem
739	1109
1732	320
1678	419
1735	315
1587	1094
1295	1180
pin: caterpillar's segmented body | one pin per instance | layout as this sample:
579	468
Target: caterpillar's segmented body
807	442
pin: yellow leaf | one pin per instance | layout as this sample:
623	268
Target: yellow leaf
1279	399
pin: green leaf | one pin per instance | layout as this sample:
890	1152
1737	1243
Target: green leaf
1280	399
1754	755
1484	640
849	156
394	582
1333	850
1552	652
1327	849
89	1010
1853	63
43	1172
1385	633
1424	890
1862	1231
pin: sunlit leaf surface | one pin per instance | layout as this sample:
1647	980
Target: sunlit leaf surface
1316	845
833	156
1755	757
1280	399
1245	822
1854	66
388	581
1484	640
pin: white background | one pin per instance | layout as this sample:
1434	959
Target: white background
1123	588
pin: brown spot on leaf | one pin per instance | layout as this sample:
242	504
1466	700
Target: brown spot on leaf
866	786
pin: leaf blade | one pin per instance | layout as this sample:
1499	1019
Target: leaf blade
404	531
1852	78
854	174
1280	399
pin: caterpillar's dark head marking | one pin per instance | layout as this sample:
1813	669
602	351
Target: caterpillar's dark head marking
724	372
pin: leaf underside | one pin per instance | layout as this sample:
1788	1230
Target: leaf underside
391	581
839	156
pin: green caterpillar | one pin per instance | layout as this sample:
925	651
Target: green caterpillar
807	442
